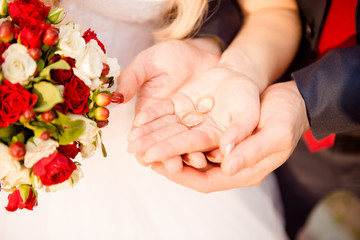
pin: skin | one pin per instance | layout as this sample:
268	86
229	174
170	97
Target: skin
169	84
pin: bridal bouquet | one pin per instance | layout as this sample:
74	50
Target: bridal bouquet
54	84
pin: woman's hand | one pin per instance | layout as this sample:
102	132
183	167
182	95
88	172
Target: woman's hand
282	122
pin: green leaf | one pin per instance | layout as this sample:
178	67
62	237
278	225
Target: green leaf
103	149
72	132
7	133
48	96
61	64
18	138
40	64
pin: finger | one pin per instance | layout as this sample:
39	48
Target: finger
187	177
208	181
141	161
215	156
200	138
247	153
153	112
132	78
148	128
142	144
174	164
240	128
195	159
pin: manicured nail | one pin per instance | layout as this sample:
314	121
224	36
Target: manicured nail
236	163
229	148
117	97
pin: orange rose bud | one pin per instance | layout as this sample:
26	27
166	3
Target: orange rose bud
103	99
51	36
101	113
17	150
6	31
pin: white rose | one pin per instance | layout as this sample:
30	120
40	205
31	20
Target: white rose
91	61
114	67
71	43
83	77
91	83
7	162
88	137
87	148
18	65
39	150
75	177
91	129
16	178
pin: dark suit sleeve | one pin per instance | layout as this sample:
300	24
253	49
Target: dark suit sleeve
223	21
331	90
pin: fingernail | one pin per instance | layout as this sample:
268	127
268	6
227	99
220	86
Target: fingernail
229	148
138	121
117	97
145	159
235	165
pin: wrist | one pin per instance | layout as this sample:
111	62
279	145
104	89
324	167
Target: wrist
246	67
210	44
300	103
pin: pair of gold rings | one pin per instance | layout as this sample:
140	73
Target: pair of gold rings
194	118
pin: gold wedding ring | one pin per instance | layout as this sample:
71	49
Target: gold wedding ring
205	104
192	119
195	118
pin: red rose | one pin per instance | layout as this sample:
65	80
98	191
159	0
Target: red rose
32	31
14	100
70	150
54	169
76	94
16	201
62	107
20	9
3	47
88	35
60	76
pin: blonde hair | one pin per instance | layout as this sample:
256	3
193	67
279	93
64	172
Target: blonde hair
183	19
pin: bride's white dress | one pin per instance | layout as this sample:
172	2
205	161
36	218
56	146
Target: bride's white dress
120	199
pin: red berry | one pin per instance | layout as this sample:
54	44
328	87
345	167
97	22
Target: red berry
103	99
102	123
35	53
48	116
6	31
105	70
117	97
51	36
29	114
45	135
17	150
101	113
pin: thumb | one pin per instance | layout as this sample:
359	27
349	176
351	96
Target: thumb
265	142
134	76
